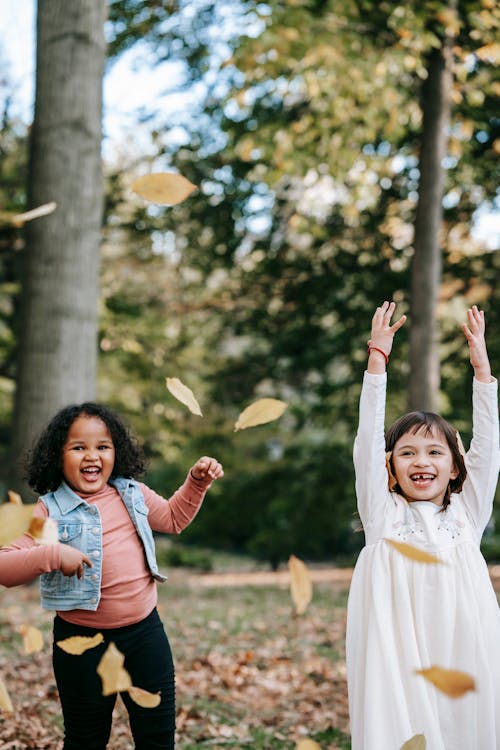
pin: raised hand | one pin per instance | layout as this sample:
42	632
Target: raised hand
207	469
474	333
382	335
72	561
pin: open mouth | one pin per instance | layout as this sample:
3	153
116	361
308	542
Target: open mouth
91	472
422	479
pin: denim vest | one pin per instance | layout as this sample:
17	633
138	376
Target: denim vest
79	524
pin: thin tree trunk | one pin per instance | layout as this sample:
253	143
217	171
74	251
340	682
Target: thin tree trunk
57	356
426	269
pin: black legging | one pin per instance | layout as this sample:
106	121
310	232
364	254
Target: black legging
88	714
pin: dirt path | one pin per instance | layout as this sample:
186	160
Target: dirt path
339	576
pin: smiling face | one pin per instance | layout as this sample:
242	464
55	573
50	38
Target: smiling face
88	455
423	465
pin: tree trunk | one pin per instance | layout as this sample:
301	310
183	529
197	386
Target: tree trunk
57	355
426	267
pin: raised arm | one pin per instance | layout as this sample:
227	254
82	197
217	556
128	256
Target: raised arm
381	337
474	333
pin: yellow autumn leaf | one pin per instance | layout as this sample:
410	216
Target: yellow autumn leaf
14	497
5	701
14	521
114	676
144	698
35	213
165	188
183	394
32	639
78	644
44	530
300	584
307	744
260	412
450	681
417	742
414	553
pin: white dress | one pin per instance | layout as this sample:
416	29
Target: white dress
405	615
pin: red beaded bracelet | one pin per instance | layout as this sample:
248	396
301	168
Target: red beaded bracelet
381	351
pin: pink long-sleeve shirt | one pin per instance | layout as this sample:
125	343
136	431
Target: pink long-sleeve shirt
128	591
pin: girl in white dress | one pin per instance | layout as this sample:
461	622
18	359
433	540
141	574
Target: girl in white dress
405	615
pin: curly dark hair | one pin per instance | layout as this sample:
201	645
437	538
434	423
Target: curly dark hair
429	423
44	461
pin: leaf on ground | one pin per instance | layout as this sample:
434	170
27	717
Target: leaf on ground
5	701
20	219
110	669
183	394
453	682
144	698
416	743
14	521
165	188
32	639
260	412
300	584
414	553
78	644
307	744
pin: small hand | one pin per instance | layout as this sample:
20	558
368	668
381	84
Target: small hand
207	469
72	561
474	333
382	332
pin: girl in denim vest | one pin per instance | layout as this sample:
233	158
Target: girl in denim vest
100	576
415	487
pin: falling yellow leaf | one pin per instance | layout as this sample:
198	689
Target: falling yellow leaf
78	644
450	681
44	530
414	553
165	188
260	412
143	698
14	521
300	584
5	701
307	745
32	639
183	394
14	497
19	219
110	669
416	743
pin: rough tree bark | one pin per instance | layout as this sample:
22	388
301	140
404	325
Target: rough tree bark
57	352
426	266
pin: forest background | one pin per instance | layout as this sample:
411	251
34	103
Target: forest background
308	129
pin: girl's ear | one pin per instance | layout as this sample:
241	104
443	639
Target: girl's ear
454	472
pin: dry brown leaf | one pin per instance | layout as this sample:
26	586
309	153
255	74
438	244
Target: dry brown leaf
414	553
450	681
165	188
300	584
14	497
32	639
110	669
144	698
14	521
183	394
19	219
416	743
260	412
78	644
307	744
5	701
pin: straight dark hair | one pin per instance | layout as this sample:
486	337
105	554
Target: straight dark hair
430	424
44	462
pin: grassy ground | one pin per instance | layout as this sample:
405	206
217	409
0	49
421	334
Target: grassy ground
249	672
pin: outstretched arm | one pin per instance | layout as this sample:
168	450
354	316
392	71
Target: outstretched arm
381	337
474	333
